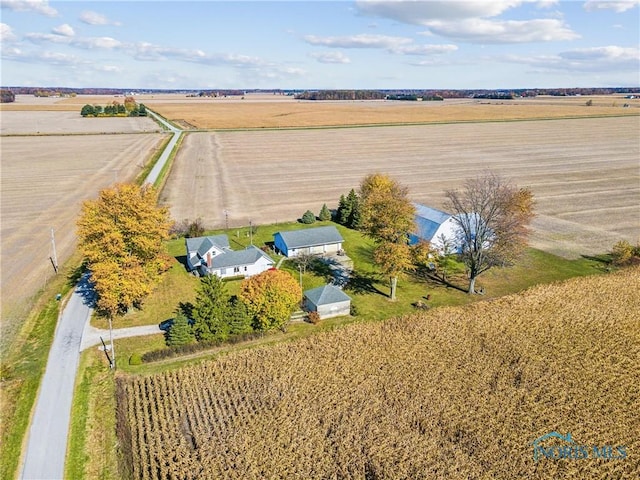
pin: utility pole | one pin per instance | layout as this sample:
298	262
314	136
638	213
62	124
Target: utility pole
226	219
250	233
54	256
300	270
113	350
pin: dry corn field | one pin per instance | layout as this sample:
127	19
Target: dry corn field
584	173
452	393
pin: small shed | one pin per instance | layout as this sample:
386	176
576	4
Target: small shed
328	301
309	241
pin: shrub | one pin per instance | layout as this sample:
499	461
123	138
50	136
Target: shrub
135	359
314	317
622	252
353	310
188	228
308	217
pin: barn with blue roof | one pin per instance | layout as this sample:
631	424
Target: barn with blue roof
434	226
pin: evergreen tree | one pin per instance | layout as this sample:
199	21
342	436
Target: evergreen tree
353	221
211	309
308	217
343	212
180	332
239	319
325	213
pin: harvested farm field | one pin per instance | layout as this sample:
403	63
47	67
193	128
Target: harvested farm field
44	181
263	111
584	173
457	392
70	123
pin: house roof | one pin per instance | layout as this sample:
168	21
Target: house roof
428	220
326	295
236	258
310	237
201	245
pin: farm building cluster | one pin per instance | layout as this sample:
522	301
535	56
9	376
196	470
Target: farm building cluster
212	255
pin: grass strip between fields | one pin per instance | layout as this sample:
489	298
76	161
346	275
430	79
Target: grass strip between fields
152	161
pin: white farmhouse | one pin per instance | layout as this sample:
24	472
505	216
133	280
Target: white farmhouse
213	256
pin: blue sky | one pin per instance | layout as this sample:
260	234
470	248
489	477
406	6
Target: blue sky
321	44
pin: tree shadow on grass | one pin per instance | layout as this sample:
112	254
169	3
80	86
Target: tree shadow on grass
603	261
434	279
363	283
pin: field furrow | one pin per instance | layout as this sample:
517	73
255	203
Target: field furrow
584	173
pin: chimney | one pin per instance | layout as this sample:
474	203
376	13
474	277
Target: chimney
209	259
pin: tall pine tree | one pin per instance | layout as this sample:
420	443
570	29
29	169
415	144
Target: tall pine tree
211	309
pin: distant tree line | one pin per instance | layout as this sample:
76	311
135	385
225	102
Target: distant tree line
7	96
342	95
436	95
115	109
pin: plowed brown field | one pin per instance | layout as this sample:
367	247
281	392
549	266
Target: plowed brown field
584	172
44	180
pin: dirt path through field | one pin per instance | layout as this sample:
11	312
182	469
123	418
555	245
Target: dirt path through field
584	172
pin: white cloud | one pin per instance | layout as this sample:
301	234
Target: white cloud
57	58
94	18
6	33
108	68
425	49
39	6
471	21
358	41
611	53
417	13
105	43
330	57
479	30
65	30
607	59
616	6
396	45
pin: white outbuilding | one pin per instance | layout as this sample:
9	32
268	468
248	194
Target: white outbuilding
328	301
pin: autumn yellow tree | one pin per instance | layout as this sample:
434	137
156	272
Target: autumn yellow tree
388	216
271	297
121	235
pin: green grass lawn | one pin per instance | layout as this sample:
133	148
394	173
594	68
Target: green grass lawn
369	290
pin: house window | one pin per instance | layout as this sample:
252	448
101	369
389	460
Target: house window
236	269
245	268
